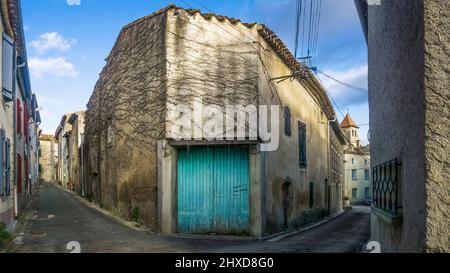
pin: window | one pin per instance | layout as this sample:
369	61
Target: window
353	161
302	144
311	194
8	66
367	193
366	175
19	117
354	193
287	121
25	120
365	161
353	174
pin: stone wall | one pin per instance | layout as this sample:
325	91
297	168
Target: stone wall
437	121
124	120
47	172
210	60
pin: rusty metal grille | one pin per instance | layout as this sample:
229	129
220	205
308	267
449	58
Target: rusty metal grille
386	186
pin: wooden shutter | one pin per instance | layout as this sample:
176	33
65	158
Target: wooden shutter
25	121
8	67
19	117
287	121
19	173
302	144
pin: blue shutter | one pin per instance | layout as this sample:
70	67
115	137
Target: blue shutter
8	67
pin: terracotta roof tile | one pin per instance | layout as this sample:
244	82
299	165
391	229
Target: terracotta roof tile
348	122
274	41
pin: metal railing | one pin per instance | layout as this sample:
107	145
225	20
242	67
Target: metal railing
386	187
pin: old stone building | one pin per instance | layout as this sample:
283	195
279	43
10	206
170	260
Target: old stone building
336	187
408	43
69	136
138	167
48	156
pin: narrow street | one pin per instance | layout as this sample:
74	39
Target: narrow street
59	217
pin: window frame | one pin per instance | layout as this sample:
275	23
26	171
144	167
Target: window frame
302	144
287	121
6	93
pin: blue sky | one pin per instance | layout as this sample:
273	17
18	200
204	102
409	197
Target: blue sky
68	41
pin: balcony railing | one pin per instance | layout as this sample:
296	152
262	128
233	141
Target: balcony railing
386	187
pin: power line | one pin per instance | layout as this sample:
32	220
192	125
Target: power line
331	97
297	25
360	89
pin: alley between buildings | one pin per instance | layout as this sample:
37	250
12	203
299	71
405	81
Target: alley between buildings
56	217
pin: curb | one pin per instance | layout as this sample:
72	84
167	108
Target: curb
282	235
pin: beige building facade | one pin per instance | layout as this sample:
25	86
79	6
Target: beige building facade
69	136
48	156
358	186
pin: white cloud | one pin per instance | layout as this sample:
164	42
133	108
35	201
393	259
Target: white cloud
356	76
57	67
52	41
73	2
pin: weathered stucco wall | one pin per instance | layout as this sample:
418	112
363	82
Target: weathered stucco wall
360	183
397	116
282	165
437	124
209	60
46	161
408	81
124	120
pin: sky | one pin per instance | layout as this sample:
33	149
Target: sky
68	41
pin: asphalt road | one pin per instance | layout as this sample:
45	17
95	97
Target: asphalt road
57	217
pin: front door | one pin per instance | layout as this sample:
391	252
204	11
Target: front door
213	190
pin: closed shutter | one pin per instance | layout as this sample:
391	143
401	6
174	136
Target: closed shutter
25	121
19	173
8	67
302	144
19	117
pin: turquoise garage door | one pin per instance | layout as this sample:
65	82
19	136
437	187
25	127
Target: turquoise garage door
213	190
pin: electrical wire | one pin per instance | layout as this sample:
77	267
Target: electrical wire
360	89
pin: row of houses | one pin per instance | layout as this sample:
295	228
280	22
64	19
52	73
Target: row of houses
61	153
19	118
124	155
